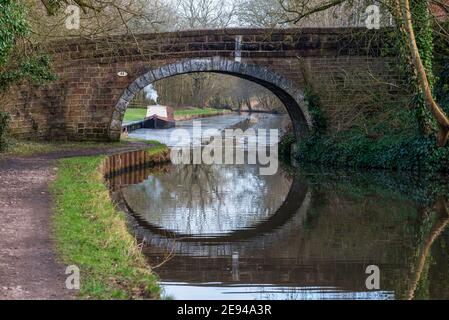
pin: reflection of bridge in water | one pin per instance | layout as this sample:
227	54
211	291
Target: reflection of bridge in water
267	252
307	245
270	252
286	219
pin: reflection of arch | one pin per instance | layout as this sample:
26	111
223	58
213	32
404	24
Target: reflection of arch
293	202
284	89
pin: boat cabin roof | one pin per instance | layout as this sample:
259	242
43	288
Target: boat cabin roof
160	111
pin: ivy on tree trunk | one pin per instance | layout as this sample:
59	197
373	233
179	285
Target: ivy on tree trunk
424	40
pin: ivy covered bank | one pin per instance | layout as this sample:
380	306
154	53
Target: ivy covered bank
397	136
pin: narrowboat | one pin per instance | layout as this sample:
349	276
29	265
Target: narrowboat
159	117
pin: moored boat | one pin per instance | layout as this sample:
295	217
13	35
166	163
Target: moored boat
159	117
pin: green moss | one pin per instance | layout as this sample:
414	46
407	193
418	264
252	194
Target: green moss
93	235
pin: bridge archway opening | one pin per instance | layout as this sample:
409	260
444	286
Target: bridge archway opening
291	97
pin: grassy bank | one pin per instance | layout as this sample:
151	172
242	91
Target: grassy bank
25	148
29	147
93	235
139	114
133	114
198	112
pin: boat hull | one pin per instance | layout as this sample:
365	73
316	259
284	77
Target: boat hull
155	122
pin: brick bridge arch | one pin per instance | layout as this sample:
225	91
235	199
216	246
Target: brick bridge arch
291	96
88	99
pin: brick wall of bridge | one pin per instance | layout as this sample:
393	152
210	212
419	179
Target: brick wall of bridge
80	103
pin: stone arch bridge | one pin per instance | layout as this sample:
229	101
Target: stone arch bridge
96	79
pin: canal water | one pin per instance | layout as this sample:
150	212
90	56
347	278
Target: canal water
227	232
208	126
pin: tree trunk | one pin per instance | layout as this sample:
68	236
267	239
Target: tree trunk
437	111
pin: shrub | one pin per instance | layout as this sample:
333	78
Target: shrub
409	153
285	145
4	123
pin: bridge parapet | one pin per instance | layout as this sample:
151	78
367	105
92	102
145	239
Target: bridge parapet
252	43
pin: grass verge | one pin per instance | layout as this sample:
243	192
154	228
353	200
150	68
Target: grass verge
198	112
30	147
133	114
93	235
25	148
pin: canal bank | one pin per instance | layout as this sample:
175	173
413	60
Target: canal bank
93	235
138	114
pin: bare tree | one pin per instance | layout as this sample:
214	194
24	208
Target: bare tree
262	13
195	14
99	17
324	13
